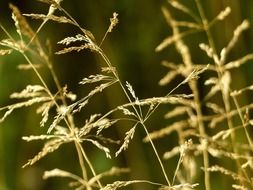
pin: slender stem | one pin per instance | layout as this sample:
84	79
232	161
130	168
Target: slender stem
69	122
202	133
89	163
157	105
177	168
120	83
137	114
6	32
156	153
36	33
103	39
243	122
129	99
186	56
38	75
225	99
81	161
205	25
247	136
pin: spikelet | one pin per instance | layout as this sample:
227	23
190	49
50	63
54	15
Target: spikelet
119	184
239	187
108	69
89	44
114	21
59	19
128	137
16	45
20	22
225	171
112	172
62	112
239	92
5	52
195	74
167	42
78	38
29	92
190	73
169	154
80	106
223	134
215	108
44	110
126	111
99	124
214	121
176	37
99	146
248	164
63	132
6	114
209	51
183	99
89	125
214	89
170	65
237	63
181	7
27	103
176	111
211	81
180	186
104	124
100	88
79	181
237	32
171	39
131	90
59	173
77	48
225	84
223	14
68	94
168	78
40	137
95	78
184	147
116	185
49	147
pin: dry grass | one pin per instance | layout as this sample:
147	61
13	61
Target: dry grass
199	135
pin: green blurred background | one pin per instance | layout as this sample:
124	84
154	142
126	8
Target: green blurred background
131	49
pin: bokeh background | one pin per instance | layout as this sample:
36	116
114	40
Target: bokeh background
131	48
